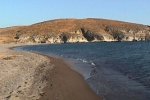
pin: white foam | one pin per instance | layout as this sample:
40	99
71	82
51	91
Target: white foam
93	64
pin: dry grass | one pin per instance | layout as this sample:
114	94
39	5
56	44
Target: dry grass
65	25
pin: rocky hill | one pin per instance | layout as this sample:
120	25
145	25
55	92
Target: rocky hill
76	30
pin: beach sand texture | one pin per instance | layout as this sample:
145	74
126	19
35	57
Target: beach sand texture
29	76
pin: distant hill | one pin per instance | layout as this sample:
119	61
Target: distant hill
75	30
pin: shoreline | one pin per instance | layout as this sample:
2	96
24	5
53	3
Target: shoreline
72	85
60	82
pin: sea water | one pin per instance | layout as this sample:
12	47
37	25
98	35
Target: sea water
115	70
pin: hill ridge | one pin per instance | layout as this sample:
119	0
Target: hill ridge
76	30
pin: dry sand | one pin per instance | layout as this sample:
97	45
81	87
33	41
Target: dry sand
29	76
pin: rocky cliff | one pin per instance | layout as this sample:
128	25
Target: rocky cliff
76	30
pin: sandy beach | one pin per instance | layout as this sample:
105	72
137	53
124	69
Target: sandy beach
30	76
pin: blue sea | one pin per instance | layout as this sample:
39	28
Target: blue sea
114	70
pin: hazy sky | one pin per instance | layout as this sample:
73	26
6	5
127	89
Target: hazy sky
26	12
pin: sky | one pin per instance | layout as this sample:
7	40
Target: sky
27	12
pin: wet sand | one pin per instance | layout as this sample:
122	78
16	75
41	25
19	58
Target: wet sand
66	84
29	76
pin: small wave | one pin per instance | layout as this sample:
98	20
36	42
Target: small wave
93	64
79	59
86	61
83	60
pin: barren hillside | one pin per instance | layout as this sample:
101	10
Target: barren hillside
76	30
